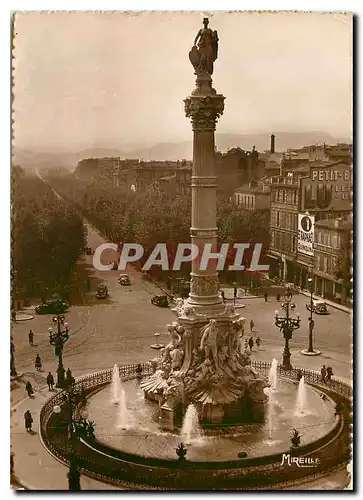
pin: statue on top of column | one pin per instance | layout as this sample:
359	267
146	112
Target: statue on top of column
203	56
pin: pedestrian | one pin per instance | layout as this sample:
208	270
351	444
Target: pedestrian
69	378
38	363
266	296
329	373
223	296
88	284
50	381
250	343
13	316
29	389
28	421
323	374
234	294
278	296
31	337
246	345
258	341
252	324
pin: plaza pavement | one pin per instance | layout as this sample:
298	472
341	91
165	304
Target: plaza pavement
120	330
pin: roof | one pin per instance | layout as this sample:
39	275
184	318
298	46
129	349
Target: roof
257	189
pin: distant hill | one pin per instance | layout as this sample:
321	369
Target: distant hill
175	150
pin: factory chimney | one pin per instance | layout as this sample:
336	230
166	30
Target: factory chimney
272	148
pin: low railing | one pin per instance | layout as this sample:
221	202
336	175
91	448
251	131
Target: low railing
311	376
122	471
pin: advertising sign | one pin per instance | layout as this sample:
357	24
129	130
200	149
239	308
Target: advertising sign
305	238
327	189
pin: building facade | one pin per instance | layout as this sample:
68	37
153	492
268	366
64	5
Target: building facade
253	196
332	258
283	227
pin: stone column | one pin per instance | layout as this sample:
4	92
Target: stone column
204	107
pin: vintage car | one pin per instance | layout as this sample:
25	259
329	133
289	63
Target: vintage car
102	291
55	306
160	300
124	280
319	307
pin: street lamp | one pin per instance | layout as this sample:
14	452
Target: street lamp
72	399
287	325
58	339
311	321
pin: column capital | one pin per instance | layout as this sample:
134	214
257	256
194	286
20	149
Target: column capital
204	111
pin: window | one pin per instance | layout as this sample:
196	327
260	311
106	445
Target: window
280	195
273	239
325	264
334	240
294	244
277	218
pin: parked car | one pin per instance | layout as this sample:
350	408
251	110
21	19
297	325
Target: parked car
319	307
124	280
52	307
160	300
102	292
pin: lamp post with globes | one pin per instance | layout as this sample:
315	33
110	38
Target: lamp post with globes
58	338
287	325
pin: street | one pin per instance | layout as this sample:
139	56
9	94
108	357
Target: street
120	329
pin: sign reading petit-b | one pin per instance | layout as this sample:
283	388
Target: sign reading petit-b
327	189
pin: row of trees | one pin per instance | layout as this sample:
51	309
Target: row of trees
153	217
48	237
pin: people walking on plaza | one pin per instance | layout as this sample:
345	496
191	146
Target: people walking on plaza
28	421
278	296
329	373
38	363
323	374
258	341
50	381
29	389
223	297
251	343
31	337
252	324
265	296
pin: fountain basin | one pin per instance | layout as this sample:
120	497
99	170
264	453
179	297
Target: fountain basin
218	443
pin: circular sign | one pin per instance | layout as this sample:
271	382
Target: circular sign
306	224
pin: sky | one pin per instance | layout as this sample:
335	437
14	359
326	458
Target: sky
112	79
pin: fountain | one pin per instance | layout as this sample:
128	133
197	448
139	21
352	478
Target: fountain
115	385
272	376
269	413
301	397
191	430
122	415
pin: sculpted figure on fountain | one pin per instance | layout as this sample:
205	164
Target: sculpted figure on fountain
208	341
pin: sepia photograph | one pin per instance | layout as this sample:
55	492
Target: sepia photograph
181	303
